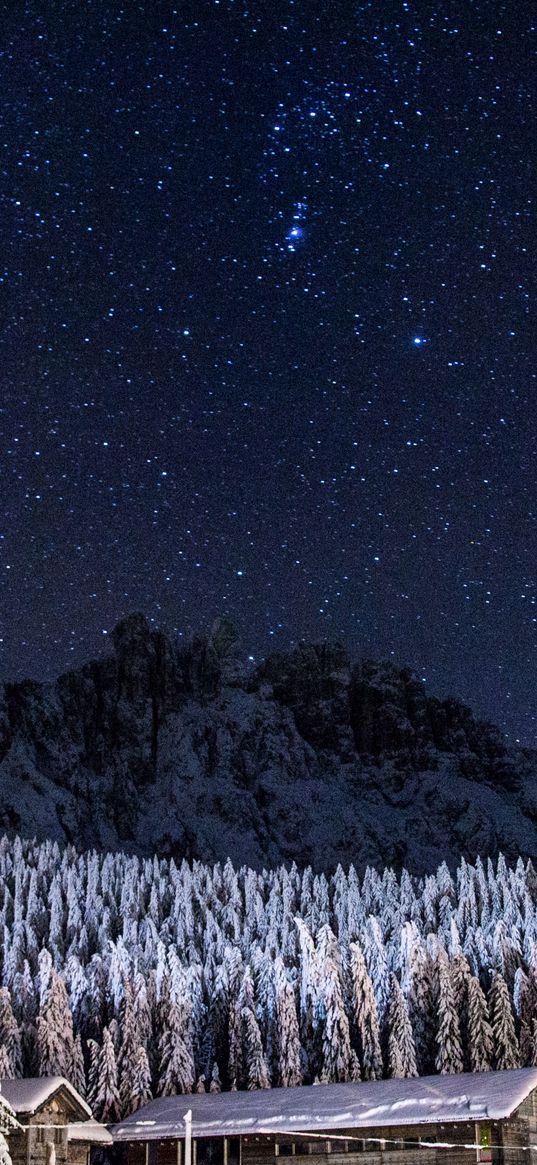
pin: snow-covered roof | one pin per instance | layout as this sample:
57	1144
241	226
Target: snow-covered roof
426	1100
26	1096
88	1131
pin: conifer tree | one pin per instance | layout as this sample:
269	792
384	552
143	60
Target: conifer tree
309	974
365	1019
235	1065
140	1089
336	1044
460	975
176	1061
287	1058
478	1030
506	1053
377	965
93	1072
525	1007
5	1064
417	987
257	1074
401	1050
5	1156
449	1056
106	1101
76	1073
142	1008
10	1037
54	1029
355	1074
129	1044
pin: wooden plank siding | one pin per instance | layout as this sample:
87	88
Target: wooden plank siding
394	1145
381	1146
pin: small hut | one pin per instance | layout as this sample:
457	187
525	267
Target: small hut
53	1123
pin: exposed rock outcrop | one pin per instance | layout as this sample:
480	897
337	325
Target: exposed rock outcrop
310	758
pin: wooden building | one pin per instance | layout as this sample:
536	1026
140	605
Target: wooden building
489	1117
56	1126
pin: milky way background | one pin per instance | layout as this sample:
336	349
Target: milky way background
268	344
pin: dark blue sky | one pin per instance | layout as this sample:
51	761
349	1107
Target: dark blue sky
267	332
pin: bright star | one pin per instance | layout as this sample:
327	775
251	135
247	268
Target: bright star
419	341
294	235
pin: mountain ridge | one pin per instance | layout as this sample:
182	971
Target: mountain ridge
310	757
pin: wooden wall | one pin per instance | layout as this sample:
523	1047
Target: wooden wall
396	1145
33	1147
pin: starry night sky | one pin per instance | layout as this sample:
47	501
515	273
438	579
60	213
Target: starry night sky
267	334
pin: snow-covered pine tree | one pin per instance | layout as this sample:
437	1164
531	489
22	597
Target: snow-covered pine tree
506	1052
449	1057
5	1156
309	976
142	1007
460	975
24	997
92	1078
525	1008
235	1064
76	982
56	935
507	948
176	1060
219	1013
255	1065
478	1031
128	1047
96	996
376	960
10	1037
364	1016
73	924
417	987
355	906
77	1073
401	1050
54	1029
336	1042
140	1088
287	1050
106	1102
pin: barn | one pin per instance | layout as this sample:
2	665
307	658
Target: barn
489	1117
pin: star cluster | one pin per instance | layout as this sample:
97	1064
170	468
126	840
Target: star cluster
267	346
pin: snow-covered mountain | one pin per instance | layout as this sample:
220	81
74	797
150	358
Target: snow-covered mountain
309	758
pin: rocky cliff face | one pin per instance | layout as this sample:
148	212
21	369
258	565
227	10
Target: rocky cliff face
311	758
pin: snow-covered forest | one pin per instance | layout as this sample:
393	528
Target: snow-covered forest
137	977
